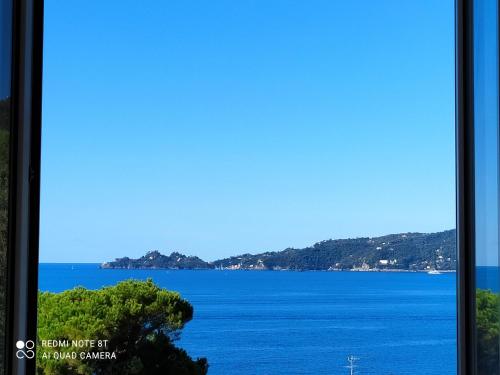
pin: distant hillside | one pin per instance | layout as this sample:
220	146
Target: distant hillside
154	259
405	251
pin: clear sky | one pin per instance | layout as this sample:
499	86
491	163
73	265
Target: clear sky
221	127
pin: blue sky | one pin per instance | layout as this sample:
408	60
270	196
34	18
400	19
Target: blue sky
217	128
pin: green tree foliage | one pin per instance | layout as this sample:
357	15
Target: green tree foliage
488	329
407	251
404	251
140	320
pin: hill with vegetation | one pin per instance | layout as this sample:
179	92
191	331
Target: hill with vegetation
154	259
404	251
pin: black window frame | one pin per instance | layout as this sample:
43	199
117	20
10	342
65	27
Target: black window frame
465	183
465	186
25	182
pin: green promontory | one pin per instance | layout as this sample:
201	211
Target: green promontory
404	252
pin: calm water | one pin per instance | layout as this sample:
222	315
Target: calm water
259	323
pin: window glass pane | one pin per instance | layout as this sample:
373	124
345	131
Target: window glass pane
5	88
486	183
212	145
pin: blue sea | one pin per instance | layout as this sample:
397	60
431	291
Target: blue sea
287	323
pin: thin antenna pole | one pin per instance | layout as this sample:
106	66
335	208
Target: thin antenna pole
351	359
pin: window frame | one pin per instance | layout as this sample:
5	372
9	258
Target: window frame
465	186
24	181
465	183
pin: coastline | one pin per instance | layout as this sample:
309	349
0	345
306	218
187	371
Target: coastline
392	270
99	266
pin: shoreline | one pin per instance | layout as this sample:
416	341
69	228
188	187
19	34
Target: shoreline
281	270
387	270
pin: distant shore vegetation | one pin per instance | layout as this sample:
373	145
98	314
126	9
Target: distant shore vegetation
126	329
394	252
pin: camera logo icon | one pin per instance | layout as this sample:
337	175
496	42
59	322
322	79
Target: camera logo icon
25	349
